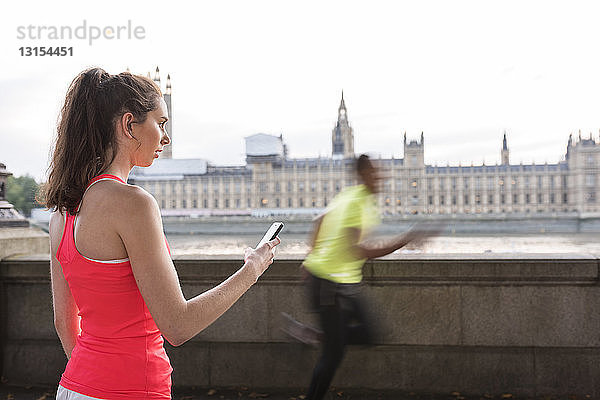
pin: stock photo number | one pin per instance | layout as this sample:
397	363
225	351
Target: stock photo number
46	51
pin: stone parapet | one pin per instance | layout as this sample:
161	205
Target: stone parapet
519	323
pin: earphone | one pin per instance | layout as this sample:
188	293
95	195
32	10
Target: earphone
130	131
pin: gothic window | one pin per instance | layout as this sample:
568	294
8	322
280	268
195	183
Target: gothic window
277	203
387	186
442	200
205	203
195	203
527	198
490	199
226	203
515	198
539	198
184	203
589	180
289	202
590	160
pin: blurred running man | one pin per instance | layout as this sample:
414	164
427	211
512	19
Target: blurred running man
334	279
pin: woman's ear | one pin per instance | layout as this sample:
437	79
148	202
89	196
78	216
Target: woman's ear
125	124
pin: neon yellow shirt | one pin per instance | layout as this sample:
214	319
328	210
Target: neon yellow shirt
331	257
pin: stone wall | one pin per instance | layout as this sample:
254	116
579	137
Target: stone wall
524	324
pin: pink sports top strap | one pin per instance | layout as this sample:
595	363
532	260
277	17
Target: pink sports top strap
102	177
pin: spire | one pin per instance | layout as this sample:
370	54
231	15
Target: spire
504	155
157	77
342	103
421	138
405	138
168	91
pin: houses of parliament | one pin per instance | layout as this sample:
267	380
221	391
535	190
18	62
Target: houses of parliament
271	183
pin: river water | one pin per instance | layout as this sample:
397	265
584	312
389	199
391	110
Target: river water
295	244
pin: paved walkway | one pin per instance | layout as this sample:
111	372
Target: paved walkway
9	392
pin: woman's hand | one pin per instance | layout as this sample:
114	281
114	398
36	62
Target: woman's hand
259	259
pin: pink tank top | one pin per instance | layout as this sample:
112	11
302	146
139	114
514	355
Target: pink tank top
119	353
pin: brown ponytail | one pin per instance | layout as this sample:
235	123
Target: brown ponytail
86	138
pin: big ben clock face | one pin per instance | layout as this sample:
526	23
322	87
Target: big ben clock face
342	112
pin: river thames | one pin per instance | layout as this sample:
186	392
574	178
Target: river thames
295	244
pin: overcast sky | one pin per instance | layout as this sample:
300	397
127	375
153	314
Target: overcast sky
462	72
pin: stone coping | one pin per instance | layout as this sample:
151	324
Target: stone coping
447	269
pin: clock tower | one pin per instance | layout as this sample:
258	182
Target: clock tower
342	136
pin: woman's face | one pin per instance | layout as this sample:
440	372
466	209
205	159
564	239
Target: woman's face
151	135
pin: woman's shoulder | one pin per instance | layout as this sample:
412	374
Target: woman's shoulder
131	199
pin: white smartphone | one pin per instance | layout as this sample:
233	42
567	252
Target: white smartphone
271	234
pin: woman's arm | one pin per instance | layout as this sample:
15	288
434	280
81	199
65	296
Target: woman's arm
66	319
140	228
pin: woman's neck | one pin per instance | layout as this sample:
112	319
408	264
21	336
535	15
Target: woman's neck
120	167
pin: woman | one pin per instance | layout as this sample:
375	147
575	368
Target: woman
115	290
